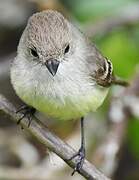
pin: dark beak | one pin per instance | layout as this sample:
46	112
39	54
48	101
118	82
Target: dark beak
52	65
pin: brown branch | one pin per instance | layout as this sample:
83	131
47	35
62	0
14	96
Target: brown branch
51	141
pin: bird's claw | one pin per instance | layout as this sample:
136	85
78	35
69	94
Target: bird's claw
28	112
80	160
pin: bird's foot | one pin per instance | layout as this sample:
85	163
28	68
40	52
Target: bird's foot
28	112
80	159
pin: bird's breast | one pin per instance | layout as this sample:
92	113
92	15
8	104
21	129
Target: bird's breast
63	97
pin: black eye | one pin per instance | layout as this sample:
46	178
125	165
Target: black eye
34	52
66	49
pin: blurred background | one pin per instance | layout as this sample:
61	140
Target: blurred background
112	133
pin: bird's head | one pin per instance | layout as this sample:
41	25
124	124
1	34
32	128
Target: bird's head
48	40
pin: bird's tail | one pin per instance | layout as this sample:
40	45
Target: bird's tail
118	81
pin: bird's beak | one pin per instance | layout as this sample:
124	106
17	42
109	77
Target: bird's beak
52	65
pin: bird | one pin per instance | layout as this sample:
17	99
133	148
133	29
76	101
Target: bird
60	72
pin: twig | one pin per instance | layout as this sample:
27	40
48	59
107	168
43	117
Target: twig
51	141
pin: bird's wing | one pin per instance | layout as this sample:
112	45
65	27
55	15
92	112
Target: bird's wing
100	68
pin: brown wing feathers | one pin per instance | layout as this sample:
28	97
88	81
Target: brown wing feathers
104	75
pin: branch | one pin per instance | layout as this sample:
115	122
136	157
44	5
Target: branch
51	141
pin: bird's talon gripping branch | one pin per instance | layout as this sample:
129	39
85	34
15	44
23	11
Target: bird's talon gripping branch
28	112
81	156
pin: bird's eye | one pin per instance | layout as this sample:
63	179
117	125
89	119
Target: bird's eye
34	53
67	49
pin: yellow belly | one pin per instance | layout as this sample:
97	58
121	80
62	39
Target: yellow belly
72	108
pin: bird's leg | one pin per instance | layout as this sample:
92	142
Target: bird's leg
28	112
81	153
